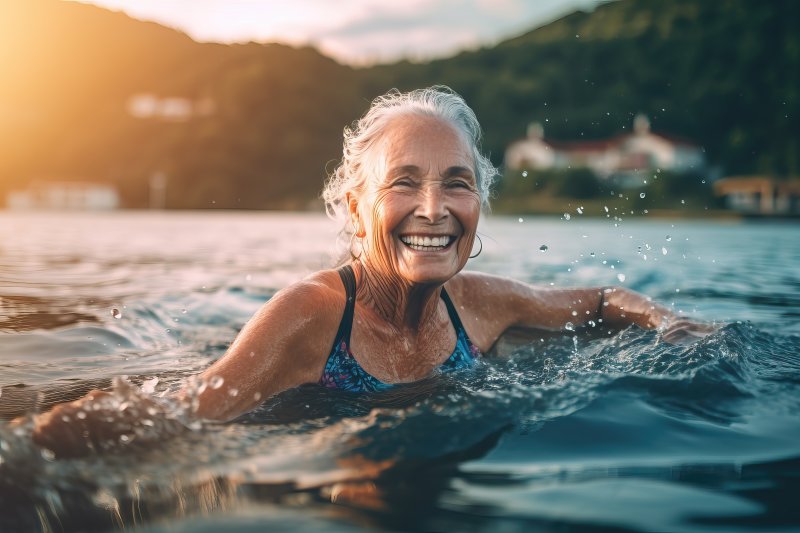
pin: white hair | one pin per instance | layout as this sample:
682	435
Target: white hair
438	101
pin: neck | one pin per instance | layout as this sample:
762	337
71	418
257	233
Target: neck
400	303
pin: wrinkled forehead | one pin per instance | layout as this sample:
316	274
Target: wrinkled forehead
420	140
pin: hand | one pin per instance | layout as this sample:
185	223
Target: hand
102	421
684	331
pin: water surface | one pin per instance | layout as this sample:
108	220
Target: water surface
566	432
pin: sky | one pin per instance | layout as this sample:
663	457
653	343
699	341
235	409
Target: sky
354	31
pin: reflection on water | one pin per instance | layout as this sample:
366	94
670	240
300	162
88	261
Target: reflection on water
555	433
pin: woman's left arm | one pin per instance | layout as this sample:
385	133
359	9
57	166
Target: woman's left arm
509	303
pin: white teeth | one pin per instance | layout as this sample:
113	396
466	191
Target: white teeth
418	242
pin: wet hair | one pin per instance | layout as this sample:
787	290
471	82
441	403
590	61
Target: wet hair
362	137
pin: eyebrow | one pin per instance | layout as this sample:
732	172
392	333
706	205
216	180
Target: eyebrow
457	171
448	173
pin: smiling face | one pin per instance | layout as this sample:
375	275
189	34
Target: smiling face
420	207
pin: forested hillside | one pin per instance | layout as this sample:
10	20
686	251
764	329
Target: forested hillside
723	73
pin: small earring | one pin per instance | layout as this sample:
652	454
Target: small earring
479	249
360	231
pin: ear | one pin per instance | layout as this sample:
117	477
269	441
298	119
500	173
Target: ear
352	208
355	217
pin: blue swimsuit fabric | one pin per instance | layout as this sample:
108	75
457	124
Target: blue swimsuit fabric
343	372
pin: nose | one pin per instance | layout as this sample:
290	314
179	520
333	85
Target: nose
432	205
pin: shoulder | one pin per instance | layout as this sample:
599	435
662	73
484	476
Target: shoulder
316	301
299	321
474	286
487	304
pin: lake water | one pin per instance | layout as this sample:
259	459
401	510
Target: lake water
558	433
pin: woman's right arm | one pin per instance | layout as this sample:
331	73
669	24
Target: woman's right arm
282	346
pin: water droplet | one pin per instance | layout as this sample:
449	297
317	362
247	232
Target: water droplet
116	313
621	277
642	195
48	455
574	313
233	392
520	220
81	415
543	248
663	251
183	311
124	438
683	202
524	173
569	326
566	216
580	210
216	382
257	396
591	254
669	237
606	208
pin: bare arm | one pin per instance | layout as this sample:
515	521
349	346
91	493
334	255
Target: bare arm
496	304
282	346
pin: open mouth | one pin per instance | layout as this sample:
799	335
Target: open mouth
427	243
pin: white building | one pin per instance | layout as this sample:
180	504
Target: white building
624	157
760	195
64	195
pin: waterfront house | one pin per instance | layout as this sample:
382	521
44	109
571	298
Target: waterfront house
760	195
626	158
73	195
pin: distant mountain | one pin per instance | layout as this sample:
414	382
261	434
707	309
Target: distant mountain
90	94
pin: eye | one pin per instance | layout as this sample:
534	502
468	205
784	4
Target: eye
403	182
459	183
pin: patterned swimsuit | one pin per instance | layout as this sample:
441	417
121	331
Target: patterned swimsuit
342	371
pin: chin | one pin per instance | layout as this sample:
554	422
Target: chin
430	273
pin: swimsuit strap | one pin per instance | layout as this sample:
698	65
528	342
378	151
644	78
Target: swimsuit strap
451	310
346	324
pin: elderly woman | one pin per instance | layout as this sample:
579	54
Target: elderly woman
409	192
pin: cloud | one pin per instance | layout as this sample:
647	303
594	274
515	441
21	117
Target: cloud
355	31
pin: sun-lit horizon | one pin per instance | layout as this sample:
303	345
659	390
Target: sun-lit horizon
357	31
